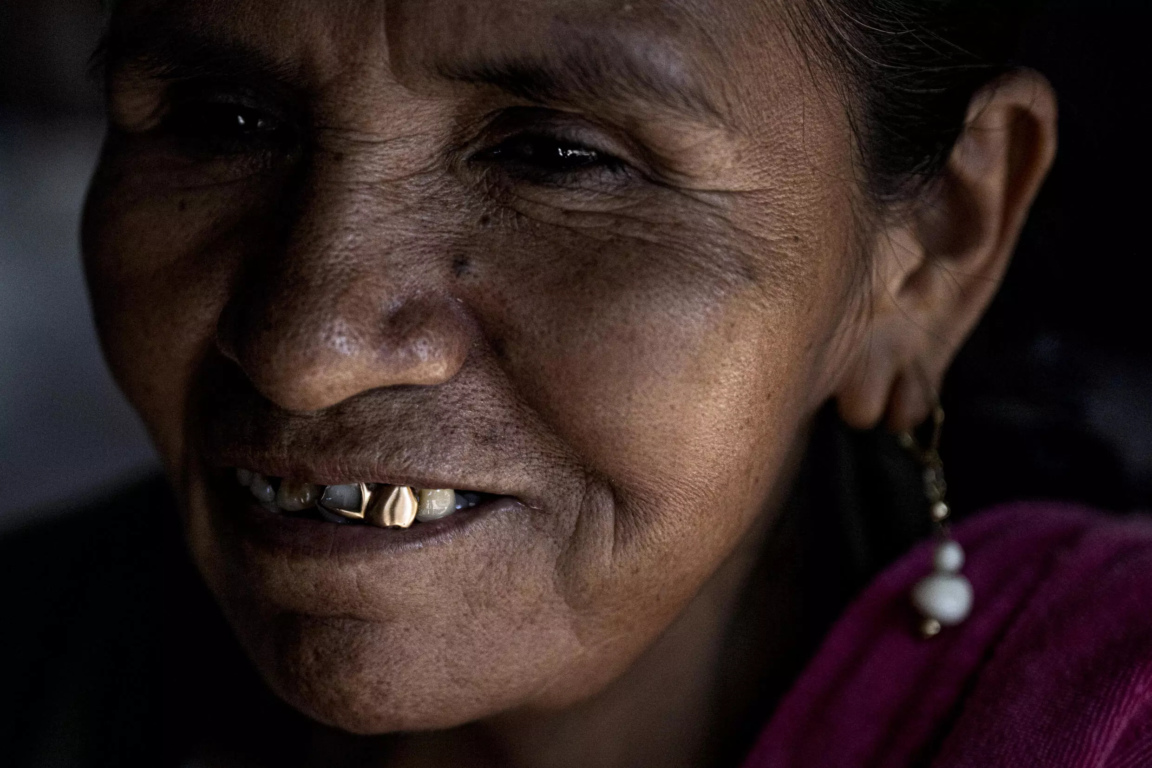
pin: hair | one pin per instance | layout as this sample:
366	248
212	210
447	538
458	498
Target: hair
908	70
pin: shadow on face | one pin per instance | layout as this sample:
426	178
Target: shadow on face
587	258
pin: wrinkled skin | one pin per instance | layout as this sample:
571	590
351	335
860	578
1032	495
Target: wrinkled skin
376	277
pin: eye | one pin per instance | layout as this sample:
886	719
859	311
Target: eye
221	128
543	158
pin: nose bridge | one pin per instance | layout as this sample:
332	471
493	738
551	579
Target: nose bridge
351	298
342	253
345	229
357	175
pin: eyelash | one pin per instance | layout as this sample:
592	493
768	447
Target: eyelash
223	129
548	159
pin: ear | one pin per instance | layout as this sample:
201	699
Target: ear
936	269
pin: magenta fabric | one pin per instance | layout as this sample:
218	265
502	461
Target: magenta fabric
1053	668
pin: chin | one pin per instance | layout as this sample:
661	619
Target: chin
412	674
360	677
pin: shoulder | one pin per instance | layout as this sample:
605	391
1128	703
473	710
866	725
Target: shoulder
1053	668
1069	680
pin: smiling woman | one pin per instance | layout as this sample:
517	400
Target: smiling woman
499	354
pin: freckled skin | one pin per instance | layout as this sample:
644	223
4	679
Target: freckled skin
636	360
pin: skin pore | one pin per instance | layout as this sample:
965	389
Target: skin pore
605	258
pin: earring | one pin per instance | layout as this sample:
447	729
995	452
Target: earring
944	597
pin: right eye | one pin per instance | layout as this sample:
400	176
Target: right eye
224	129
547	156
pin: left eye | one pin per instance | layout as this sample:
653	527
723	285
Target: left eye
224	129
547	156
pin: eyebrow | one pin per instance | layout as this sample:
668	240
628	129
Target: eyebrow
580	71
160	48
584	73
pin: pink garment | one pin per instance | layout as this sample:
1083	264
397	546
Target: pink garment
1053	668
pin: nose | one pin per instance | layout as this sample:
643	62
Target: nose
351	302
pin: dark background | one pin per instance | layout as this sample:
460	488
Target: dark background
65	432
1052	398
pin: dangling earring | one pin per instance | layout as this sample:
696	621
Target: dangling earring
943	598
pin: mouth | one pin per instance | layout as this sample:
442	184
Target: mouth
395	507
339	488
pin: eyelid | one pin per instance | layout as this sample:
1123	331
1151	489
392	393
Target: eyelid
563	127
544	136
139	100
200	130
225	95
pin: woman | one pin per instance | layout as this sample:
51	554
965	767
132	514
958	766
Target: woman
488	343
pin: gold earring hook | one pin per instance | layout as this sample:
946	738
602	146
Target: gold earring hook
928	455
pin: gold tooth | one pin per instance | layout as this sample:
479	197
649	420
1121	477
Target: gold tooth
355	514
393	507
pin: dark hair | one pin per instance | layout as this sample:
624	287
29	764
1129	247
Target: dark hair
908	70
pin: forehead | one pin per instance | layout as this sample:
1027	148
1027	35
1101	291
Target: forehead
701	53
446	26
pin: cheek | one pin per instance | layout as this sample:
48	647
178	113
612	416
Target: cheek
676	370
662	391
160	262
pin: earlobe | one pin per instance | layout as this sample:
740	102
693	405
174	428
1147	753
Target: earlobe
937	266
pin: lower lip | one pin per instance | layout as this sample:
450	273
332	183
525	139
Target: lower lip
319	539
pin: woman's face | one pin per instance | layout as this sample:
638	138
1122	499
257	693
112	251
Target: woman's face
588	256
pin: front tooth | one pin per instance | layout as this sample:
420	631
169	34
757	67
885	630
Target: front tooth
436	504
393	507
262	488
244	476
348	501
341	497
296	497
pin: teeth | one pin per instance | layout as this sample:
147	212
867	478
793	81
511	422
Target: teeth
342	497
296	497
383	506
348	501
332	517
262	489
392	507
436	505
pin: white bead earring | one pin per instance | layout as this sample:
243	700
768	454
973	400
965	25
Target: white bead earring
944	597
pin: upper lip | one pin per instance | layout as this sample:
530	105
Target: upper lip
343	469
350	443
